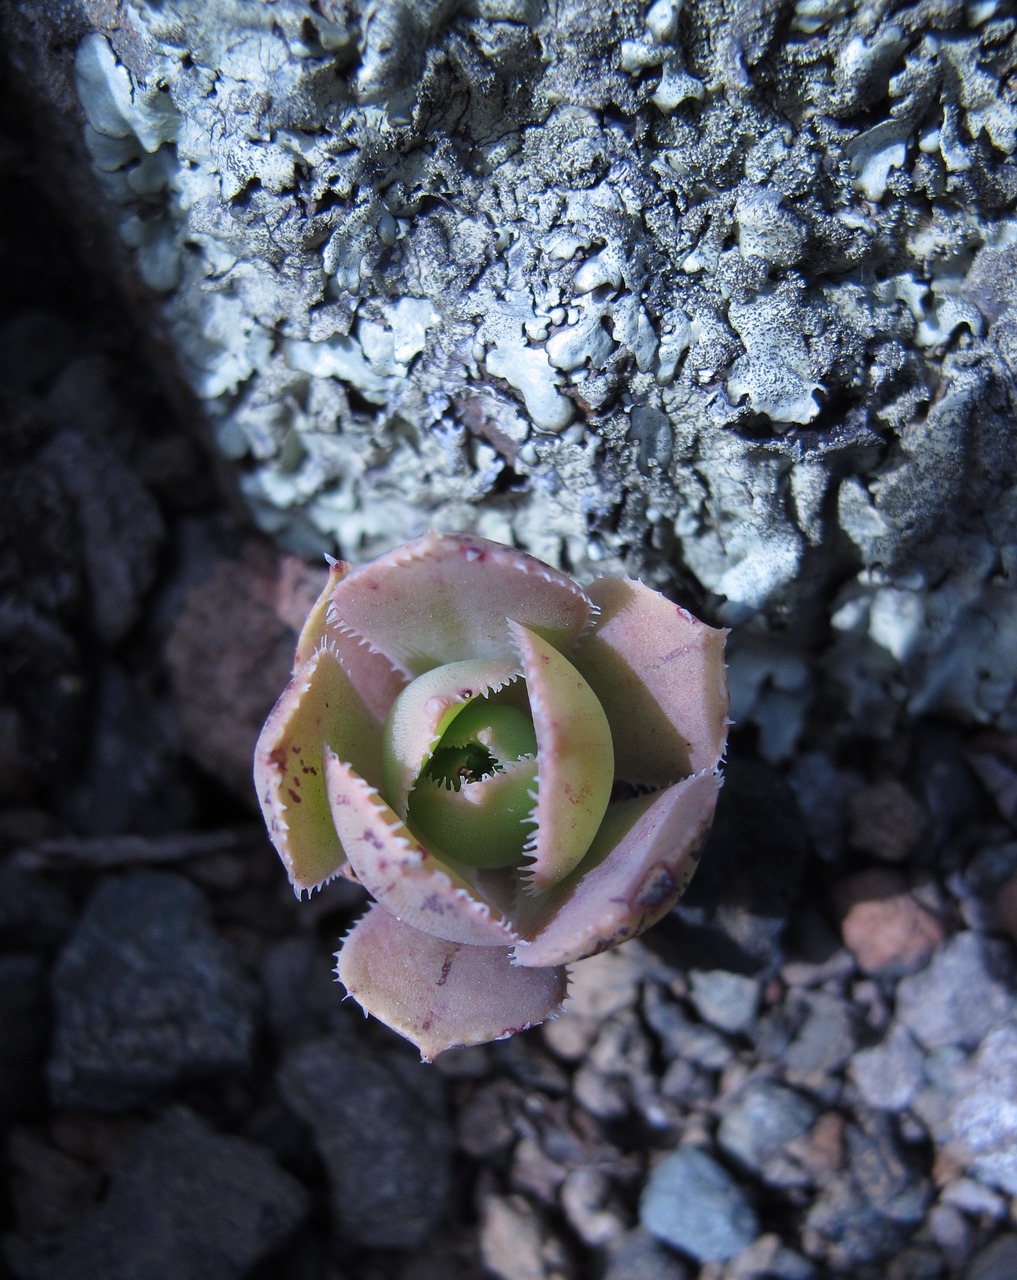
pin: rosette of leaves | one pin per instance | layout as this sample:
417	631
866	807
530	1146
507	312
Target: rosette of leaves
519	771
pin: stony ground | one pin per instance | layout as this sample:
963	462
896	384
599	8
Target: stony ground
809	1070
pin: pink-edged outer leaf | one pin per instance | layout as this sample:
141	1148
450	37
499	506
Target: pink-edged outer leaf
659	674
634	873
446	597
315	632
575	760
397	870
319	707
377	682
439	994
422	712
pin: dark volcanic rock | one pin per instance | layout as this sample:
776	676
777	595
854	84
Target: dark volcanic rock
146	996
24	1017
131	780
379	1121
188	1204
109	499
34	913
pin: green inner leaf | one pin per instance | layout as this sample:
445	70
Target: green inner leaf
505	732
481	824
422	714
455	766
472	800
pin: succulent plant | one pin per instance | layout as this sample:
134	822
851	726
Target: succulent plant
519	771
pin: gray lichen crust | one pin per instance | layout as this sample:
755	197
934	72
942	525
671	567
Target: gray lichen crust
723	284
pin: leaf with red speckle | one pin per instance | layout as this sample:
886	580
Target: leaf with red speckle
439	994
522	774
318	707
314	634
394	868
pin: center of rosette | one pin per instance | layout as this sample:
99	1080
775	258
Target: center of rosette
473	797
460	765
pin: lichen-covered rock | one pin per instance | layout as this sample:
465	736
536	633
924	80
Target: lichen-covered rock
680	288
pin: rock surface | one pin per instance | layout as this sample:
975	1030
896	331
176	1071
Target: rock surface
146	995
379	1123
160	1221
694	1205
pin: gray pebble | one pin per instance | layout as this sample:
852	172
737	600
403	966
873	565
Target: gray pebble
997	1261
769	1259
960	996
983	1120
824	1043
188	1203
684	1084
639	1257
683	1038
694	1205
761	1121
379	1120
146	996
972	1198
855	1230
889	1074
882	1173
725	1000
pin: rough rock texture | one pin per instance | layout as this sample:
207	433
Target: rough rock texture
158	1220
146	996
719	292
379	1124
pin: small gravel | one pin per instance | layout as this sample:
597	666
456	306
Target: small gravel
694	1205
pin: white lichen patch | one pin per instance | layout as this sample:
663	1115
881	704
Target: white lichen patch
638	282
775	373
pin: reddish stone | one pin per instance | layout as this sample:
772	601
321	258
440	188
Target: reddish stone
883	926
231	652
